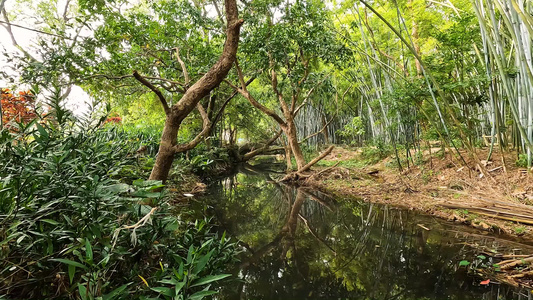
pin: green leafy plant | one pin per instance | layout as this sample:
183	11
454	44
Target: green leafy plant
70	226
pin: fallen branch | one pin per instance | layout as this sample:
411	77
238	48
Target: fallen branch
263	149
317	159
325	170
299	174
517	262
146	219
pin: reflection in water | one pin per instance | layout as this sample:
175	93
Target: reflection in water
302	244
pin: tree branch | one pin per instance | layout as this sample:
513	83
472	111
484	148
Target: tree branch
154	89
226	102
317	159
256	152
321	130
244	92
183	67
7	26
219	70
206	128
308	95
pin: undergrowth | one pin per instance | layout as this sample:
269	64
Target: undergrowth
77	223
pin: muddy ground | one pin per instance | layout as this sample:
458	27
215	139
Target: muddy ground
492	195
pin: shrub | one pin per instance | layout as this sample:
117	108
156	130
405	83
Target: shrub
16	107
70	228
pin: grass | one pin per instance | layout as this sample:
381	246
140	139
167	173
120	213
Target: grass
519	230
350	163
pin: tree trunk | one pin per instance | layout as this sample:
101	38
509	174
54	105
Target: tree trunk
288	158
292	138
165	156
325	131
195	93
415	36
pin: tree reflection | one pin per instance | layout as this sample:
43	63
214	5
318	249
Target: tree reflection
302	244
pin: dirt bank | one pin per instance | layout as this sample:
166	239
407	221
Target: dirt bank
496	199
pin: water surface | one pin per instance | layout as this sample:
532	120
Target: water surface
302	244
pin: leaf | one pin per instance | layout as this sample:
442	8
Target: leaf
83	291
49	221
180	271
146	194
144	280
464	263
70	262
43	133
171	281
223	238
481	257
190	253
88	250
116	292
118	188
209	279
179	286
486	282
71	272
202	262
201	294
163	290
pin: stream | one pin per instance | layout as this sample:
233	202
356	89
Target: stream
302	244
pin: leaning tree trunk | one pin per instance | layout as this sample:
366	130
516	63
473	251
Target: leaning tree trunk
177	113
292	137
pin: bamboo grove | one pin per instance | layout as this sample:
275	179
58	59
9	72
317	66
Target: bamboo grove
457	71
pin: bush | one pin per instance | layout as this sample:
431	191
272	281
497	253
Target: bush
376	153
521	162
69	228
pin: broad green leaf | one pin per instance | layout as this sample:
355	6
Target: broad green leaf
42	131
146	194
116	292
202	262
83	291
179	286
464	263
71	272
88	250
209	279
190	253
118	188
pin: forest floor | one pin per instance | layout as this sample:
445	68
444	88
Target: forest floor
499	200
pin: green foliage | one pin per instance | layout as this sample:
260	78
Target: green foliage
522	161
67	220
519	230
352	129
377	152
479	262
205	162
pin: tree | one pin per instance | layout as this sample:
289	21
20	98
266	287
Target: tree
169	57
288	53
176	113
